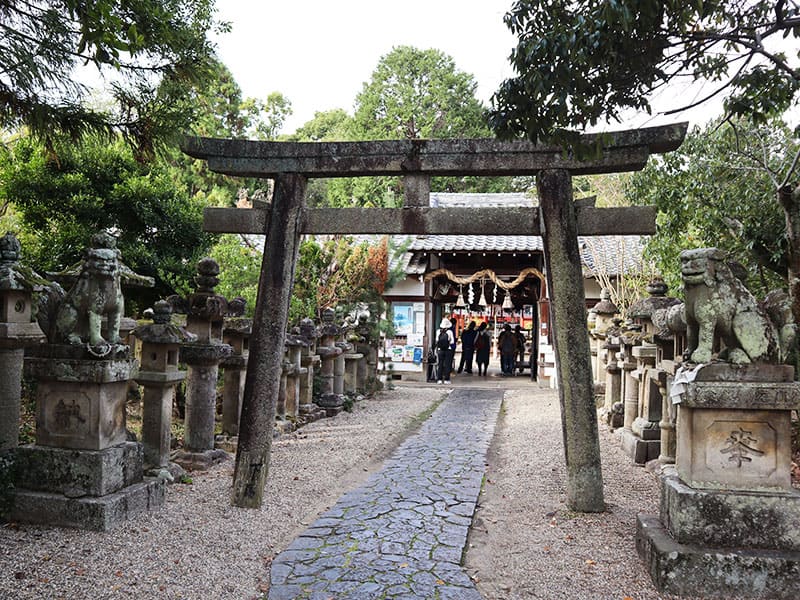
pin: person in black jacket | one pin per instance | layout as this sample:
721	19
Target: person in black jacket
483	344
467	348
444	352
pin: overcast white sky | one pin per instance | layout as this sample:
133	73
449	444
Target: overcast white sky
318	53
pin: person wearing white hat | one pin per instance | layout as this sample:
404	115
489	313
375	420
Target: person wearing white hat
444	342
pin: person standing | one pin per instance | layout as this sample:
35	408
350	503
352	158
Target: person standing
519	358
482	347
444	354
507	343
467	348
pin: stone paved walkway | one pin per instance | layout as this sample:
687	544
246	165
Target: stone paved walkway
402	534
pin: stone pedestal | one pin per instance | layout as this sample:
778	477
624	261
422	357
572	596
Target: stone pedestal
613	380
234	369
352	361
332	390
202	362
729	517
236	333
80	403
294	372
669	415
630	384
643	441
10	395
340	367
82	472
329	399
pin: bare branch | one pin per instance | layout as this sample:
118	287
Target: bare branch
791	170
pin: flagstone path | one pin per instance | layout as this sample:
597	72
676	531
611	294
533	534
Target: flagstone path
401	535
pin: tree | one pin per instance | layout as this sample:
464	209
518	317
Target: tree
69	192
149	51
582	62
412	94
240	265
715	190
221	111
326	126
339	273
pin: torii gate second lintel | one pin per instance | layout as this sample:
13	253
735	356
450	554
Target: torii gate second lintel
557	220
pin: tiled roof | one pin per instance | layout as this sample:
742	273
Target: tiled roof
612	254
476	243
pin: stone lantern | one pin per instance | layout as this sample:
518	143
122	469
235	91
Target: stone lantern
205	310
309	365
236	332
330	399
16	332
602	320
159	374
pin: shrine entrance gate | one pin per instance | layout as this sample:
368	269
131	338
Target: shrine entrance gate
557	220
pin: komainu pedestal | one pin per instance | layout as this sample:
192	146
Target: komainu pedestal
729	520
82	472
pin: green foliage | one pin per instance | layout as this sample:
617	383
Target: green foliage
411	94
221	111
349	401
240	267
418	94
310	265
718	189
340	273
326	126
150	51
66	195
581	62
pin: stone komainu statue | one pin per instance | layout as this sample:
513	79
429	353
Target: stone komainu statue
719	308
96	294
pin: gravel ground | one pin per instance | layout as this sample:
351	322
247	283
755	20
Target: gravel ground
198	546
524	543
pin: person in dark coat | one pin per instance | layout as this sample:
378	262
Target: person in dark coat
467	348
520	357
482	345
444	353
507	343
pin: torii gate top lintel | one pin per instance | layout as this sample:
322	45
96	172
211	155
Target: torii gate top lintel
622	151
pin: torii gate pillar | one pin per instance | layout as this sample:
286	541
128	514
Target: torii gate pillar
282	229
574	369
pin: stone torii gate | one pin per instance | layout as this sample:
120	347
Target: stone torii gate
557	220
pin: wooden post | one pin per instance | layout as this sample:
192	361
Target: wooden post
267	342
571	342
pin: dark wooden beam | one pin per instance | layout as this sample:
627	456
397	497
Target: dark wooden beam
632	220
623	151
